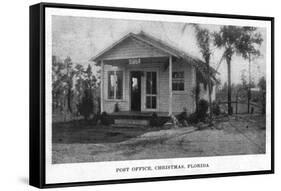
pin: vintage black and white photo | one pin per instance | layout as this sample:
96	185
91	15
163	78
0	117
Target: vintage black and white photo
128	90
132	95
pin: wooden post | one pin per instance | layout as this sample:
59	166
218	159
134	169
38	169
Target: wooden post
102	86
170	86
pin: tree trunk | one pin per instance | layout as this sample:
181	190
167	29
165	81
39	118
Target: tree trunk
197	92
228	61
249	88
69	99
210	93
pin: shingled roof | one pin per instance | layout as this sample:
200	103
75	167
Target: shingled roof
165	47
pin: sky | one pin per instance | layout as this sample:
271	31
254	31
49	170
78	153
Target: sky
82	38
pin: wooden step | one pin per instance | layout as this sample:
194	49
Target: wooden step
130	122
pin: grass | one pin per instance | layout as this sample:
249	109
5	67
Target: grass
84	142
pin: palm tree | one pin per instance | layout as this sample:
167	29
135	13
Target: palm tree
203	37
247	46
228	38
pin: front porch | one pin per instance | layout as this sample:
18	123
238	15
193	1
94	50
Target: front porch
137	118
139	114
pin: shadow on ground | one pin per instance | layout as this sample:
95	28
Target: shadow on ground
83	132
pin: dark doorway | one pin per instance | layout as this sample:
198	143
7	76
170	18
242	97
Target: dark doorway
135	84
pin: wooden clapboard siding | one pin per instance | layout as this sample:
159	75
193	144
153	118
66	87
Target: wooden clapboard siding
180	99
132	48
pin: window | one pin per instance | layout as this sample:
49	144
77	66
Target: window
151	90
178	81
115	84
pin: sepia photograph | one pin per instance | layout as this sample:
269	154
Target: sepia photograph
139	89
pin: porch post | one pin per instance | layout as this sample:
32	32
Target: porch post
170	86
102	86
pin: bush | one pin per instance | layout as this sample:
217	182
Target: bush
156	121
216	109
85	107
105	119
182	117
200	114
202	109
96	118
192	118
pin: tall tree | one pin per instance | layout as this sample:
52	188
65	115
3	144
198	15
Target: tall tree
85	107
69	81
79	81
243	79
203	37
58	86
228	38
86	104
248	48
262	86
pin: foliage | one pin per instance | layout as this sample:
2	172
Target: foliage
200	114
203	37
72	87
156	121
85	107
96	118
262	86
69	81
195	93
202	109
192	118
216	108
105	119
240	40
243	79
58	87
262	83
182	117
248	42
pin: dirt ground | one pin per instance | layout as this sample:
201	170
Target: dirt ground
236	135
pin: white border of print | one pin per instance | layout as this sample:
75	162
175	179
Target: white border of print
96	171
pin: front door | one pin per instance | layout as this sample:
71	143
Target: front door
135	84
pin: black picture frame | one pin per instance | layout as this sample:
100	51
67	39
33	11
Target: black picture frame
37	93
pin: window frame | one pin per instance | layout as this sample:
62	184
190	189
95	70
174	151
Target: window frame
150	94
115	88
183	81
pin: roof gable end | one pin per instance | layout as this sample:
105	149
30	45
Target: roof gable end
152	48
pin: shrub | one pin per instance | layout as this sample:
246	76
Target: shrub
182	117
202	109
105	119
200	114
192	118
85	107
96	118
216	108
154	120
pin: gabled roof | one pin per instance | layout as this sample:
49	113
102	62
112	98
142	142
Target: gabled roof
163	46
143	37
